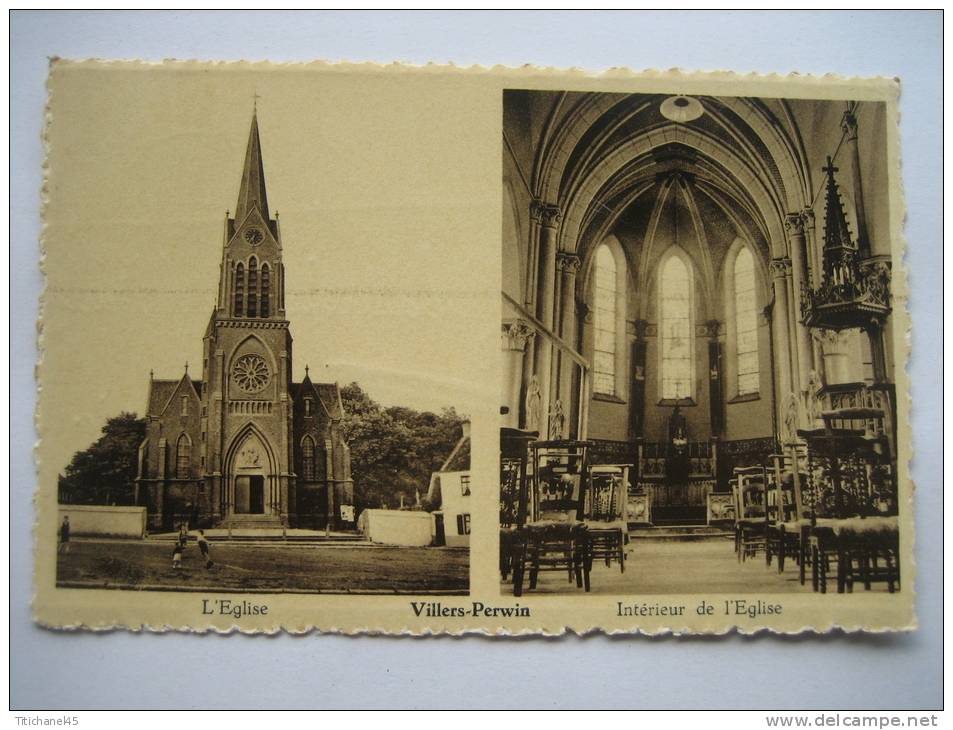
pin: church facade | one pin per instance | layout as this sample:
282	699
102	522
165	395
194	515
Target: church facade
245	446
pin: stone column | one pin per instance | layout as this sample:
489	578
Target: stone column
834	346
516	333
802	337
849	125
780	272
568	265
545	307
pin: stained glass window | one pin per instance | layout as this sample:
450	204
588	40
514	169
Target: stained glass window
307	459
604	318
676	329
183	457
746	324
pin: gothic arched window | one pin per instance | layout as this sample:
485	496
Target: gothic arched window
605	315
265	285
239	290
183	457
746	323
252	287
307	459
676	329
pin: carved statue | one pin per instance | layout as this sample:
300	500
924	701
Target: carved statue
790	417
534	397
813	385
677	466
677	428
557	421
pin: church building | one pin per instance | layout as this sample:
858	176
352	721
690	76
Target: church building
244	446
693	275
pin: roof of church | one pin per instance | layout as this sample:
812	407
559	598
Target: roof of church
160	391
327	392
252	190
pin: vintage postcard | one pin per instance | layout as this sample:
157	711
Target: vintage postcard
262	421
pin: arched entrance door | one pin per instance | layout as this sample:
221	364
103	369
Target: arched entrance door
251	477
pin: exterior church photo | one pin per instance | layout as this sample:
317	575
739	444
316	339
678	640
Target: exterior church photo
244	446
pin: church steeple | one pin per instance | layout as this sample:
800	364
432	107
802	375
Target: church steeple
252	191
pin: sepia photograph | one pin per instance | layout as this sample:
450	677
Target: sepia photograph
260	402
699	346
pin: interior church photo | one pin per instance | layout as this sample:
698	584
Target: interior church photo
698	344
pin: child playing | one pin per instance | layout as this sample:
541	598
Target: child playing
203	546
177	556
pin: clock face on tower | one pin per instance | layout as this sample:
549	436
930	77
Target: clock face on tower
250	373
254	236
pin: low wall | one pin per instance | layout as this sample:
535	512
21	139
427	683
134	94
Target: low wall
103	521
396	527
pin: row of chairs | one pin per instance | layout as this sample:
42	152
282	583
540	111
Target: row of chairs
558	513
828	502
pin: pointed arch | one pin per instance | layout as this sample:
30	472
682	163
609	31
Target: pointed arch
183	456
252	286
744	296
307	459
265	352
234	447
265	290
238	309
676	313
606	286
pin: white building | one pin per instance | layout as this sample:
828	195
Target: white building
450	489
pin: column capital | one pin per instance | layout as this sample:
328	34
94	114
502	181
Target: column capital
568	263
794	223
641	328
780	267
516	333
830	340
712	326
848	124
808	215
546	214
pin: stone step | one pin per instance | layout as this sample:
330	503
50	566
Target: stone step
680	532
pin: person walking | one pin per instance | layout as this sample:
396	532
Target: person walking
64	536
183	535
177	556
204	547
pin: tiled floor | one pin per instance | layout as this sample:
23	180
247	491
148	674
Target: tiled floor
670	566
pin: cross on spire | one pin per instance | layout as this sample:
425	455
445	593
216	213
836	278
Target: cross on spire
186	367
306	371
829	168
255	97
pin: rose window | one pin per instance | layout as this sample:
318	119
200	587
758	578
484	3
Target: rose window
250	373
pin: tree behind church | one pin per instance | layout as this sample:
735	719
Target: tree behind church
105	472
394	450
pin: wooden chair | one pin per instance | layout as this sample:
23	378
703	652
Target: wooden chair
851	461
751	509
514	459
555	535
605	512
789	516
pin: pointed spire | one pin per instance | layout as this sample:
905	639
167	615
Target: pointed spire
836	232
252	191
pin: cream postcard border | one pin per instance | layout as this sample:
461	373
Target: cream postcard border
549	615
